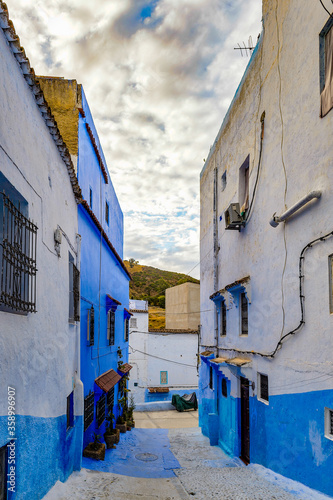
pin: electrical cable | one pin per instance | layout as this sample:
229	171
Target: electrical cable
328	12
302	303
163	359
283	165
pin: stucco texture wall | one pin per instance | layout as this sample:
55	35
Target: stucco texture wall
38	352
182	306
282	80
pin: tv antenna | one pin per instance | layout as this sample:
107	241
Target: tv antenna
247	49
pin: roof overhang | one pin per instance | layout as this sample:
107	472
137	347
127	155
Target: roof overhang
107	380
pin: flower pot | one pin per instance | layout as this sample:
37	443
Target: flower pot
110	440
117	434
122	427
95	451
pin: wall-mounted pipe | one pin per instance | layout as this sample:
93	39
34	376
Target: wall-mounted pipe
275	221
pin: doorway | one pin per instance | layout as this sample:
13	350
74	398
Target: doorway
245	421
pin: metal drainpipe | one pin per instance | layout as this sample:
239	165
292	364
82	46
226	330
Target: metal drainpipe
216	247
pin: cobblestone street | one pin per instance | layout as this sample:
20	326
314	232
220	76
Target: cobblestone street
170	463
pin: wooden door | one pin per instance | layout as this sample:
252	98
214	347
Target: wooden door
245	421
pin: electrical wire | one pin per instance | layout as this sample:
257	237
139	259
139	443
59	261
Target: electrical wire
302	303
163	359
328	12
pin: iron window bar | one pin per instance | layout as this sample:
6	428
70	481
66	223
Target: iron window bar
18	247
88	410
100	410
111	327
110	400
91	326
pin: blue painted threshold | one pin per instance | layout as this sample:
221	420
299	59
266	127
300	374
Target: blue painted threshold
140	453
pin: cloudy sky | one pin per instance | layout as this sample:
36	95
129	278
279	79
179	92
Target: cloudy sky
159	76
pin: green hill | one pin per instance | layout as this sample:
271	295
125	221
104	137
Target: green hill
150	283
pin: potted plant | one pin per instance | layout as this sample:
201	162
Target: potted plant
131	408
96	449
121	420
111	435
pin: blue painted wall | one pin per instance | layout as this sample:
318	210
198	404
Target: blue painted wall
89	175
287	435
45	453
167	396
101	272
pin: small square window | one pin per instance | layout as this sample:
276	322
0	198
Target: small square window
164	377
133	323
70	410
107	212
329	423
263	394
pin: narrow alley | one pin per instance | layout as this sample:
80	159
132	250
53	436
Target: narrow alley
166	457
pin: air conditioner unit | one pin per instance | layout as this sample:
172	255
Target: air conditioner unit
233	218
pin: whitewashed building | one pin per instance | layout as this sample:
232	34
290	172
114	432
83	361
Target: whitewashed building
41	403
164	361
266	376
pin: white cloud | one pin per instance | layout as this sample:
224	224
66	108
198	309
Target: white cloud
158	91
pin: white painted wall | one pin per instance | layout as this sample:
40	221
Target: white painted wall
38	353
151	353
297	156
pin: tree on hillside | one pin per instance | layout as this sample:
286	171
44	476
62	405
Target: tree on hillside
132	262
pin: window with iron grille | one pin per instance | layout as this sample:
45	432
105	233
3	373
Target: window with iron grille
210	377
88	410
126	329
263	387
90	326
110	400
223	319
111	319
164	377
100	410
18	246
224	388
74	290
244	313
70	410
329	423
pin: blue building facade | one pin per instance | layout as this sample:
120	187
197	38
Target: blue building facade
104	280
266	378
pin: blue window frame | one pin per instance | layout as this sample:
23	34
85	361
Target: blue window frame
70	410
163	377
